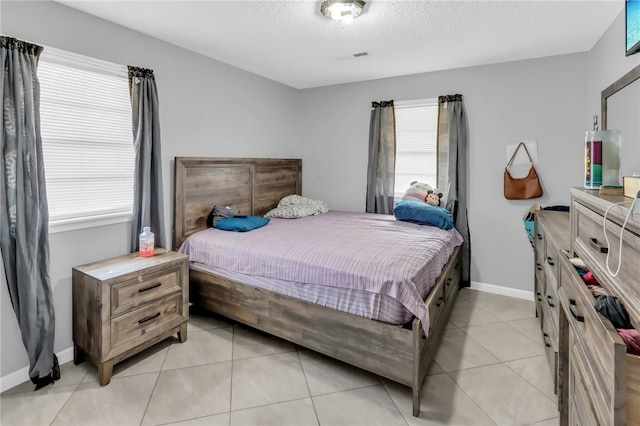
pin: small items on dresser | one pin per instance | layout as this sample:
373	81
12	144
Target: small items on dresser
631	185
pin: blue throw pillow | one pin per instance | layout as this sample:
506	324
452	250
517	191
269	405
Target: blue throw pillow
242	224
423	214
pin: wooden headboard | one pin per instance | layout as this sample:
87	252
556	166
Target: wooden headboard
255	185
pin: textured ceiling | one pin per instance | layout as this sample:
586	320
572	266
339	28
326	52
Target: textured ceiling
292	43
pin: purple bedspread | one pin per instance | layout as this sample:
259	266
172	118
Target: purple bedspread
370	252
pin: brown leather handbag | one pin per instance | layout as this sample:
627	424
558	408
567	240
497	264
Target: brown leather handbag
521	188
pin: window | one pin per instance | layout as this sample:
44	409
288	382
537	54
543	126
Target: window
416	143
87	140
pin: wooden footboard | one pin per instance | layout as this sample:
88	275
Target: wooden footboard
395	352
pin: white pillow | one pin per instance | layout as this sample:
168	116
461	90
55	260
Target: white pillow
295	206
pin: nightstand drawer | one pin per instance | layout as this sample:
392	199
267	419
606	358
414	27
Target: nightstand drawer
146	322
130	294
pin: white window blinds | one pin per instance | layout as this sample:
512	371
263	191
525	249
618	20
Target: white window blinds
416	143
87	139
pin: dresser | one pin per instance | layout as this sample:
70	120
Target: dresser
598	381
126	304
551	235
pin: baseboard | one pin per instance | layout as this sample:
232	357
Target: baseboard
504	291
17	377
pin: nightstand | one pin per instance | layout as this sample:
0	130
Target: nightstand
124	305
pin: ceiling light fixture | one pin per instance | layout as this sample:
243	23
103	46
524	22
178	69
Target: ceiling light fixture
342	10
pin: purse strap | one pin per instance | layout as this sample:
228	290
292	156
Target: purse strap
521	144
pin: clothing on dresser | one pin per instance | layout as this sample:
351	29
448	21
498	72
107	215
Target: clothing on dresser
612	309
631	338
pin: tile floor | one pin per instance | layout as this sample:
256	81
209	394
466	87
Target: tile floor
490	370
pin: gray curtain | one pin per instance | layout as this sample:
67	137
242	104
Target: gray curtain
452	152
24	216
382	158
148	207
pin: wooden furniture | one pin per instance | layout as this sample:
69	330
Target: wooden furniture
551	236
126	304
402	354
600	381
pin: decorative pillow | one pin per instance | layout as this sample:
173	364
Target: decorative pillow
296	206
417	192
423	214
242	224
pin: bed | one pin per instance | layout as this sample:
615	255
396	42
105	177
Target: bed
399	348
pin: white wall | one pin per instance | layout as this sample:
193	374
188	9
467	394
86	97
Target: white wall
207	108
211	109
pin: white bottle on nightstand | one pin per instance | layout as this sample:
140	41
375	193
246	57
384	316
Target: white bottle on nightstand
147	242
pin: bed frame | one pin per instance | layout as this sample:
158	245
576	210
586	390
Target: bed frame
255	185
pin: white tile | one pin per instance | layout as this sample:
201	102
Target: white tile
292	413
365	406
503	307
201	319
530	327
202	347
34	408
148	361
458	351
442	402
267	380
505	396
465	314
121	402
249	343
215	420
535	370
327	375
550	422
504	342
189	393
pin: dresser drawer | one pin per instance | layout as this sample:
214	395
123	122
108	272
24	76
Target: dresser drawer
592	337
591	243
145	323
581	391
550	340
130	294
551	265
551	303
540	243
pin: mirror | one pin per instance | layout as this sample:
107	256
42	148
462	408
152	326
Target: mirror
620	104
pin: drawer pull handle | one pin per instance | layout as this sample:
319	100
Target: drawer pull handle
572	309
142	321
550	260
550	301
538	267
448	282
539	236
544	337
440	300
539	296
594	244
151	287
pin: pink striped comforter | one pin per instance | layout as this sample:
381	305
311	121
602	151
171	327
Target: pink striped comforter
368	252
